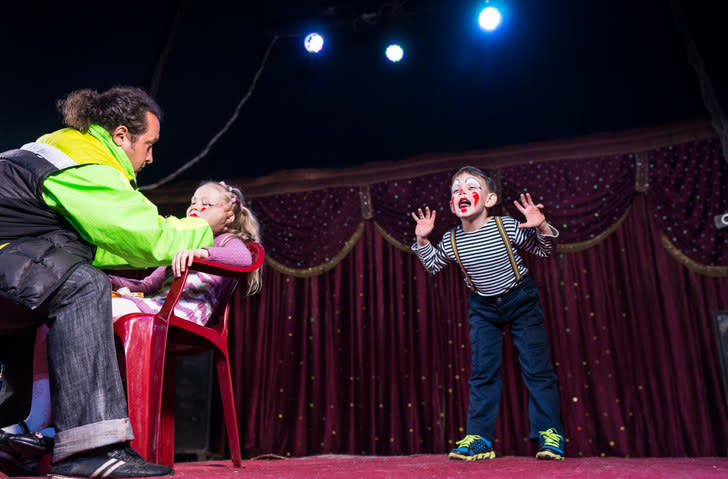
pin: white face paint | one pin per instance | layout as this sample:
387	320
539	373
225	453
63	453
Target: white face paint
470	181
465	199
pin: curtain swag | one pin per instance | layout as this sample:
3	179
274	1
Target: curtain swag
322	268
684	185
712	271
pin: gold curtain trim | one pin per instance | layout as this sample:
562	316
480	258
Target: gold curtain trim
584	245
692	265
390	239
320	269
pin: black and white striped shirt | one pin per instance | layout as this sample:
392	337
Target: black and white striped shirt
485	257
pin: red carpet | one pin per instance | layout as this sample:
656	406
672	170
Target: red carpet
439	466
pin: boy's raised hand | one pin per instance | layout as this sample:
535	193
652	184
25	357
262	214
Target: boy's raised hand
425	223
532	212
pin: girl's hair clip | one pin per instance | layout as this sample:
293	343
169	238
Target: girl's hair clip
223	184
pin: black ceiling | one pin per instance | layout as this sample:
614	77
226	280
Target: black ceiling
553	70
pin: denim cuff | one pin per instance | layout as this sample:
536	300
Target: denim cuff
91	436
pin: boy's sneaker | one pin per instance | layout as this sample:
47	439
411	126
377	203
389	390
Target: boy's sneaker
551	445
118	460
472	448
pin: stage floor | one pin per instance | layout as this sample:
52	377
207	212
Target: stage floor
439	466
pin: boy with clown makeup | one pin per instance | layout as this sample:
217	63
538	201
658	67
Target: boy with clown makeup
488	251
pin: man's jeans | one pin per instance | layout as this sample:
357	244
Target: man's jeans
87	396
522	310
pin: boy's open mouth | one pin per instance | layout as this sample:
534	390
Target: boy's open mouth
463	203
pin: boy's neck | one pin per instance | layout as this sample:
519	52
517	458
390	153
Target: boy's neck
476	222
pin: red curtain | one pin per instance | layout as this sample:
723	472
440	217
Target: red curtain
353	348
372	357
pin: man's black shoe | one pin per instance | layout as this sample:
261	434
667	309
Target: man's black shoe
5	442
17	465
110	462
31	444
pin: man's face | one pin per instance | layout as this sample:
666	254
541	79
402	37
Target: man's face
469	195
140	151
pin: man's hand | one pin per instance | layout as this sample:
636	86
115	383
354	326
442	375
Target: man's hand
425	224
183	259
532	212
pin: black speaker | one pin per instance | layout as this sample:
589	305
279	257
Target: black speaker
721	335
193	409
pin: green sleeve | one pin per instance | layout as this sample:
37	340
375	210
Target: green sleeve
125	226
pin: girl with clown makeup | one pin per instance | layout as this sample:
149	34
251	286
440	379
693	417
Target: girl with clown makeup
488	250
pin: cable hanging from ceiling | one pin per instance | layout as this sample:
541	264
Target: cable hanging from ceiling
224	129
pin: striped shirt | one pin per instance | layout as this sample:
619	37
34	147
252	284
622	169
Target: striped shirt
484	255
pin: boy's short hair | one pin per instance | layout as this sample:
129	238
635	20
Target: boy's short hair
489	183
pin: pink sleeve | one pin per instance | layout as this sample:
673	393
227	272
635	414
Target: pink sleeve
234	253
149	285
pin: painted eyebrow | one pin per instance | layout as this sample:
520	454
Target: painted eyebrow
473	181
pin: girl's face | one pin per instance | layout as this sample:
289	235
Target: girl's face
209	202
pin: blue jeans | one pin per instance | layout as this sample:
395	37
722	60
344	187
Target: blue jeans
521	309
88	401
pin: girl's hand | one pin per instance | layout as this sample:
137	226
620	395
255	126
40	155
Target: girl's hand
532	212
425	224
183	259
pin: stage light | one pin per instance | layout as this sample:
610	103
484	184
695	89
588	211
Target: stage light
489	19
313	42
394	53
721	221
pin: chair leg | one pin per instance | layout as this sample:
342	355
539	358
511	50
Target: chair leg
165	450
228	407
145	341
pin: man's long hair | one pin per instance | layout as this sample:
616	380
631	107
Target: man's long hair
116	106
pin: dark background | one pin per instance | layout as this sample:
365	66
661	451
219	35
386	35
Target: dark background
553	70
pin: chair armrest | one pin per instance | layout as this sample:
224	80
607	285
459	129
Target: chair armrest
212	267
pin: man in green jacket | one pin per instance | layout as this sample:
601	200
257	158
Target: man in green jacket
69	205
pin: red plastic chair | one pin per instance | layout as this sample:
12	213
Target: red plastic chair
151	344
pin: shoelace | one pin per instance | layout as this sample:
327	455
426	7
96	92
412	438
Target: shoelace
467	440
551	438
127	455
133	457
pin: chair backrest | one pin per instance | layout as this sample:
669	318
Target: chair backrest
219	318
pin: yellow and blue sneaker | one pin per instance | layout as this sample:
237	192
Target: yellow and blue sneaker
472	448
551	445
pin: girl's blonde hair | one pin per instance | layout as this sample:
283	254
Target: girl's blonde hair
244	226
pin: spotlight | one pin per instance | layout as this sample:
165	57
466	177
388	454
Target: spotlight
489	19
313	42
721	221
394	53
